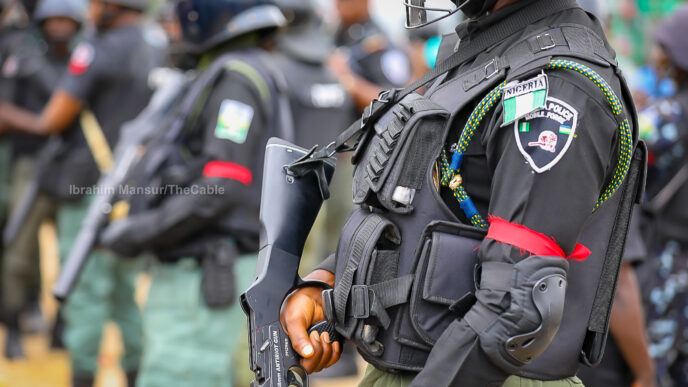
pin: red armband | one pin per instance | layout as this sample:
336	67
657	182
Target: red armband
227	170
531	241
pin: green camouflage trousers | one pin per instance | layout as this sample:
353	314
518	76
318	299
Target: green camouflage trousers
105	291
377	378
187	344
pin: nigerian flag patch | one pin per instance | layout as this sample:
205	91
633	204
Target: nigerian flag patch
521	98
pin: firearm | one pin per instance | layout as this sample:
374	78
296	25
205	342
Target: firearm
17	218
172	86
295	184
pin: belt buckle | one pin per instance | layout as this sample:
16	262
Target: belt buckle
543	44
492	63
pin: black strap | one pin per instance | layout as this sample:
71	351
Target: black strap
479	42
601	308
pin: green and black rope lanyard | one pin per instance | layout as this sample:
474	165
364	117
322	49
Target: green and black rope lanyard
450	172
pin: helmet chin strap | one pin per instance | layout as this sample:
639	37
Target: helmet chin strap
475	8
470	8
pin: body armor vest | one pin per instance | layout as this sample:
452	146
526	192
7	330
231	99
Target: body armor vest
406	266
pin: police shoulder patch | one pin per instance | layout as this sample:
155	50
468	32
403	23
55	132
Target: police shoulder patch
81	59
544	136
521	98
234	121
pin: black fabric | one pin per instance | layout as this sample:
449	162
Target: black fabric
113	84
321	107
373	56
557	201
30	71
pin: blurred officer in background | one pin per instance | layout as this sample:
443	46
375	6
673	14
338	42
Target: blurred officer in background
664	126
205	236
626	358
107	74
368	62
30	74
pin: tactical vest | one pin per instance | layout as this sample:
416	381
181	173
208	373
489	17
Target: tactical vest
173	156
406	266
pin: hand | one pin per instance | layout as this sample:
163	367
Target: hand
302	309
644	381
338	63
116	237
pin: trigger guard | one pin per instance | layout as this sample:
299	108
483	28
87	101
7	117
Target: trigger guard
312	283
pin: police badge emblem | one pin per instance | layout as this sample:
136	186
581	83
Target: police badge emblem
544	136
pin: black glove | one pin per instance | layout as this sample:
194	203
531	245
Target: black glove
128	237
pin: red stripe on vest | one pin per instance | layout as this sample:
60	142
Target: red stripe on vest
531	241
227	170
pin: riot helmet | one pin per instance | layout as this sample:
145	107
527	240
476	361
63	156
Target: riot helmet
209	23
418	14
140	5
71	9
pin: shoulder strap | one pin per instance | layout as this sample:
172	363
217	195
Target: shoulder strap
478	43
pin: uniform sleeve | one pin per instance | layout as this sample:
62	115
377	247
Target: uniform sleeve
548	170
88	67
234	124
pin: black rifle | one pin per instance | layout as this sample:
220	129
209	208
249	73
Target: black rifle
129	151
295	184
17	218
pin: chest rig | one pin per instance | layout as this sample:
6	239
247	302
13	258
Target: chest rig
405	265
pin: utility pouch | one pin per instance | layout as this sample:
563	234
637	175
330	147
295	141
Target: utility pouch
404	141
366	283
218	283
446	261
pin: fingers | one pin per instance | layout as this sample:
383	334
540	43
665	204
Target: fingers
312	363
325	355
295	325
336	353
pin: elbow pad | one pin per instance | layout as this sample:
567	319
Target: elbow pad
524	331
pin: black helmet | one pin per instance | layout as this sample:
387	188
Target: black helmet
72	9
304	38
207	23
672	34
417	12
140	5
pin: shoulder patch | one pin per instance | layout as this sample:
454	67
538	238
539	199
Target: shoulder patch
521	98
81	59
234	121
544	136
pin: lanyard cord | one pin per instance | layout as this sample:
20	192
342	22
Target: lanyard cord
450	172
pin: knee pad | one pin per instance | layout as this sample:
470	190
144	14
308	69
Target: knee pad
524	330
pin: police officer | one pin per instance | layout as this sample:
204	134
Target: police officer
368	62
663	127
30	74
108	75
627	358
205	232
522	164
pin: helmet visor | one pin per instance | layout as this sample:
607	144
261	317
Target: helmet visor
420	13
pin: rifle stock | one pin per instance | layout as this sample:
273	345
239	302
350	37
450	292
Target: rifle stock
290	203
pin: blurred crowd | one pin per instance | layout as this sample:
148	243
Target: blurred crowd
348	55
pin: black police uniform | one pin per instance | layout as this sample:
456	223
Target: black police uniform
373	56
232	163
544	172
320	105
109	72
29	74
